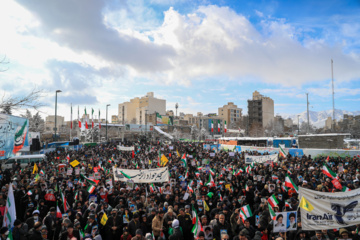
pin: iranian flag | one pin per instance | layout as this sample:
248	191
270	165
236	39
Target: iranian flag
92	118
29	193
99	120
152	188
191	182
197	224
58	212
273	201
284	188
289	183
190	189
212	126
68	158
225	127
212	172
282	152
79	122
247	211
86	123
218	125
221	198
10	210
248	169
63	199
345	189
183	159
91	189
272	213
71	120
90	181
274	177
187	173
199	168
247	188
210	181
327	171
242	215
197	174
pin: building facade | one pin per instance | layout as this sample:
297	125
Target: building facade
230	113
261	110
50	122
136	109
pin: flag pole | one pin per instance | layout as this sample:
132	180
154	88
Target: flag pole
71	123
99	128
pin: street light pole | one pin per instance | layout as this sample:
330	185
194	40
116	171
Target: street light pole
56	92
107	121
298	125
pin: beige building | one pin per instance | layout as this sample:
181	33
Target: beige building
261	109
328	123
136	109
230	113
50	122
288	123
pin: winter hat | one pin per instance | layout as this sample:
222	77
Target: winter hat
175	223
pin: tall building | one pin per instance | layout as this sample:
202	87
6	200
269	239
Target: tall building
260	110
230	113
136	109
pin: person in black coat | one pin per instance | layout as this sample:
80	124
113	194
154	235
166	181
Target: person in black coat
134	224
35	233
70	233
221	225
114	225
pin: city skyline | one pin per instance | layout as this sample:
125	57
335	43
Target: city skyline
200	54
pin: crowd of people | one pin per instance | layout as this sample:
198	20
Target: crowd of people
209	186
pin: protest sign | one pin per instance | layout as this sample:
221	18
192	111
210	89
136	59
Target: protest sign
285	221
325	210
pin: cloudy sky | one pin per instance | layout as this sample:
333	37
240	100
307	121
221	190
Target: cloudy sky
199	53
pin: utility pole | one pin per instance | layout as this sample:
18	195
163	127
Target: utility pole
333	96
298	125
308	117
107	121
176	107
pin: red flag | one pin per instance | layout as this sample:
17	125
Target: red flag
132	154
328	158
336	184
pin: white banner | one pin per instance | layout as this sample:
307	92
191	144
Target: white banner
325	210
122	148
142	176
261	159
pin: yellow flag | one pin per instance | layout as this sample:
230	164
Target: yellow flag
177	152
74	163
206	206
163	160
37	178
104	219
36	169
304	204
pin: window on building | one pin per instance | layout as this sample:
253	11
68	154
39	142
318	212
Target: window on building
237	111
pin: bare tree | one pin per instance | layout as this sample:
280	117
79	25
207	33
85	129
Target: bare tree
9	103
256	130
36	123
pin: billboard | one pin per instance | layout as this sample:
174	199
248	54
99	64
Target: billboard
14	133
164	120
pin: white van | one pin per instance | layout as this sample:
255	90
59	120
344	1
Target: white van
24	160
